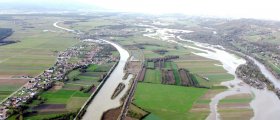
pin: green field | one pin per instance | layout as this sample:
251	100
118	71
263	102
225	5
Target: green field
100	68
206	68
153	76
167	101
62	96
90	24
151	65
36	50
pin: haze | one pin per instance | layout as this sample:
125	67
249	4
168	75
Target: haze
261	9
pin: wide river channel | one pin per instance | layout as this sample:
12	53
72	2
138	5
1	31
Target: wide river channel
102	102
265	104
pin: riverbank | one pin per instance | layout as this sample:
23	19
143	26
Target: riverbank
85	106
230	62
102	101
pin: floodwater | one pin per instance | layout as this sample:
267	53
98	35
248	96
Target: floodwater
102	102
265	104
266	73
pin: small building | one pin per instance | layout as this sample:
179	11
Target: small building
3	113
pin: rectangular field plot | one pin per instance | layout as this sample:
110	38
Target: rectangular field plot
8	86
236	107
206	72
167	102
153	76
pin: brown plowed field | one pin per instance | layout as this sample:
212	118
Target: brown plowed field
168	77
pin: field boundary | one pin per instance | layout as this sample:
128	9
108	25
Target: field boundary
130	96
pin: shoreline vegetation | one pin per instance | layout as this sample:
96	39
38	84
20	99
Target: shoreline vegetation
250	73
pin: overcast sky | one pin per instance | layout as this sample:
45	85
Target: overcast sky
264	9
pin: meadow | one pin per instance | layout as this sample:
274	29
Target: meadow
153	76
70	95
36	49
34	52
167	101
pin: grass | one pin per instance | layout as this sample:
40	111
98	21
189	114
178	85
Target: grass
167	101
151	65
73	74
4	94
62	96
41	116
100	68
36	50
167	65
206	68
176	73
75	103
10	87
172	66
153	76
151	117
91	24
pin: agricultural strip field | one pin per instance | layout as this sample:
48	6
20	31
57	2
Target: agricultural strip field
70	95
34	52
236	107
201	105
8	86
204	68
56	102
89	24
167	101
36	49
153	76
159	99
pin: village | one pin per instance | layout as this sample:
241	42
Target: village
86	52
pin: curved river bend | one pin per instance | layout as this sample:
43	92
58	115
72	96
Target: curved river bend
265	104
102	102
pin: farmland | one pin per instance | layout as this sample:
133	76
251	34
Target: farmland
236	104
8	86
175	82
68	96
153	76
167	101
153	96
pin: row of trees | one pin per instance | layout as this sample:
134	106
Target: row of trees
5	32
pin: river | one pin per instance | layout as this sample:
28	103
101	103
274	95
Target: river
63	28
265	103
102	102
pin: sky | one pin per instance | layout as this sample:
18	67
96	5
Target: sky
262	9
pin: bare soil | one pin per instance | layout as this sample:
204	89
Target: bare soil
112	114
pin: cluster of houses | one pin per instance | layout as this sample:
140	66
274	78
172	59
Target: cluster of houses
87	52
